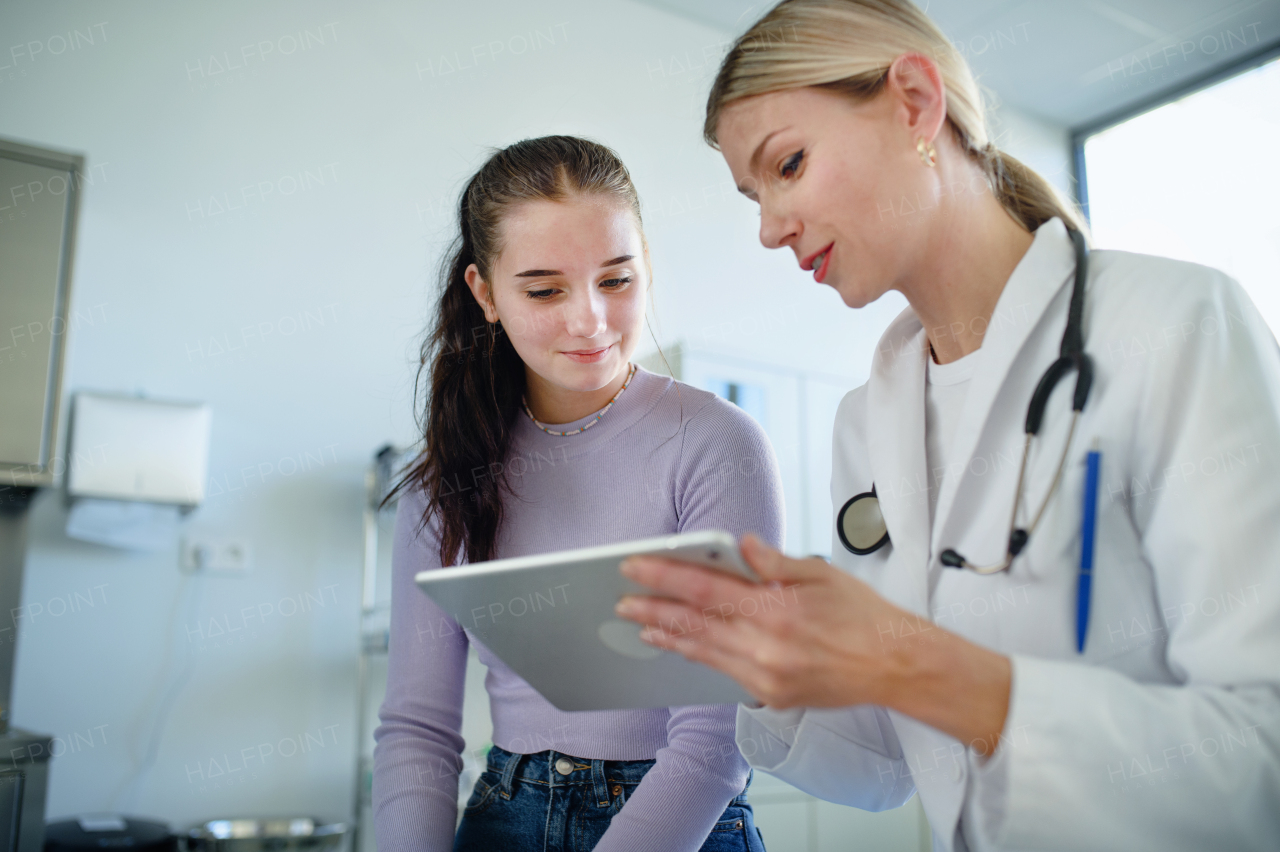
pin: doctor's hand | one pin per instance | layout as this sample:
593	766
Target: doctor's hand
812	635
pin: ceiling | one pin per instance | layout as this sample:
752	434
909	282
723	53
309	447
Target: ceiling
1075	63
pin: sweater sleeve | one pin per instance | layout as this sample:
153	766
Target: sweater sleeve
419	743
727	478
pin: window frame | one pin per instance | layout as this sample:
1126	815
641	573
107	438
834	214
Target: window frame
1080	135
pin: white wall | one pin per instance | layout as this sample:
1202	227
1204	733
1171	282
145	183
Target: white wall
296	316
1043	146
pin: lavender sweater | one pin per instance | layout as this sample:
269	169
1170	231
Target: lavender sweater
666	458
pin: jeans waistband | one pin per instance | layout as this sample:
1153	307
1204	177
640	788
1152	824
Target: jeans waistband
545	767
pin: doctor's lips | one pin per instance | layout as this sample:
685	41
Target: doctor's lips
824	256
588	356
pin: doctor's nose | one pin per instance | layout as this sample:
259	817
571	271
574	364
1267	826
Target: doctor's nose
584	315
778	228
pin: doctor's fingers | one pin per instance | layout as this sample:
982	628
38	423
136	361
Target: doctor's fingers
753	628
799	613
791	661
783	658
751	658
680	618
685	581
772	564
776	672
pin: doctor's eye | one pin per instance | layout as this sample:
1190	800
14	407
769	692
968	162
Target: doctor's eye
792	164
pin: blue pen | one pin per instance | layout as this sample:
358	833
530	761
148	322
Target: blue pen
1088	532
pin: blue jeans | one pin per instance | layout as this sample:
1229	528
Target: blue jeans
523	803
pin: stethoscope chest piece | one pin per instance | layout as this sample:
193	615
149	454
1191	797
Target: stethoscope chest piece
860	524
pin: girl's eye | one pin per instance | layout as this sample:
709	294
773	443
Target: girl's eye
541	294
792	163
615	283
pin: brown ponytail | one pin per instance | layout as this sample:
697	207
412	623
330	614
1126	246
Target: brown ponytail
476	377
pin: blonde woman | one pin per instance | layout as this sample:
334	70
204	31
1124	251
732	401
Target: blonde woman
1054	609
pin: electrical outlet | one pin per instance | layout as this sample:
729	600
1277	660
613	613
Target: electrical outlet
207	555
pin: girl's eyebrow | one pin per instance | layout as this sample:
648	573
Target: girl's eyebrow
542	273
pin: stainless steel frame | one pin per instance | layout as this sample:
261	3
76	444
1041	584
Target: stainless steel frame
24	756
379	479
45	473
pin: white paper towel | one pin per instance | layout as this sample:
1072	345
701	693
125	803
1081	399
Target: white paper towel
123	524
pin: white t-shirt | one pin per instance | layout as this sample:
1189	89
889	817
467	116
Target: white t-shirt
946	387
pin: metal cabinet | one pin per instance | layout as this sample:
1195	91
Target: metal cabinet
375	623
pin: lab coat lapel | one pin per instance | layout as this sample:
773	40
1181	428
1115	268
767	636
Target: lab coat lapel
895	433
1043	271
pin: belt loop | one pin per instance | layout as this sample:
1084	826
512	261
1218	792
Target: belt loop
509	774
599	783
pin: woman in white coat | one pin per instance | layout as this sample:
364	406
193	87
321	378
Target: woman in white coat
859	130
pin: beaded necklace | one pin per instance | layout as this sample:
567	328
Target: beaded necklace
594	420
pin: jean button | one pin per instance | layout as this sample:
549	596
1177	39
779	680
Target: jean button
564	766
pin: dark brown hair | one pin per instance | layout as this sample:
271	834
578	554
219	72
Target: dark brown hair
476	379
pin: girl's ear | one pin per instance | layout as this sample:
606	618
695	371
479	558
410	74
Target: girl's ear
480	290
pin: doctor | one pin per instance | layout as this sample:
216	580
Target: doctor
1113	681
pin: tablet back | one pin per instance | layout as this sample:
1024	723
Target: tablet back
550	618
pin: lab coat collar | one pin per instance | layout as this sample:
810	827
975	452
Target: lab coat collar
1041	274
895	438
896	401
896	444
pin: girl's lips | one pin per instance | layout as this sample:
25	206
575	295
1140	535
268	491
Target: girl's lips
826	262
589	357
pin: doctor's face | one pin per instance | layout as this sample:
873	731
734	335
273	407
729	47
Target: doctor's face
569	288
831	175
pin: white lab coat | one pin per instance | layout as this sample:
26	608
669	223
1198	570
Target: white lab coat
1165	733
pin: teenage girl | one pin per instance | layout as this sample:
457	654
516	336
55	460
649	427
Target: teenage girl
541	435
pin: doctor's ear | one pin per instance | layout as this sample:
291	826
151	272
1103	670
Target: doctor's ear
915	82
481	292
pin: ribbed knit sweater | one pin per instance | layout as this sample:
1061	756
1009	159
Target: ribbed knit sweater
666	458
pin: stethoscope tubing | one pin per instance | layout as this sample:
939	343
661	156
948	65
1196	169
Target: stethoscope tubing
1071	357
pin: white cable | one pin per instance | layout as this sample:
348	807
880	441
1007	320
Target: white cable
129	789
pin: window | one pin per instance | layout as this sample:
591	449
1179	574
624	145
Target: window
1198	179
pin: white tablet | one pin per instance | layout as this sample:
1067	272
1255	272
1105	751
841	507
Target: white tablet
550	618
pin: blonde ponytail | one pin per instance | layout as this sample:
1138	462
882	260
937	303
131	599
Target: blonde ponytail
848	46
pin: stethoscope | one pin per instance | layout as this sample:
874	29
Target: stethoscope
860	524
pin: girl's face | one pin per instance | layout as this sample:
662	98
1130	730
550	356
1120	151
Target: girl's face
838	182
569	289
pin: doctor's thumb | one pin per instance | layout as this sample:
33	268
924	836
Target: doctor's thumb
768	563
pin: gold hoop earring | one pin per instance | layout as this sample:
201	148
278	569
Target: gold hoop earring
928	154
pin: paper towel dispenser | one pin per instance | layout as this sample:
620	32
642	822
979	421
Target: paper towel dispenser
138	449
39	197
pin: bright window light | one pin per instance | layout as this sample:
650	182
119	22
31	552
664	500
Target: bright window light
1198	179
